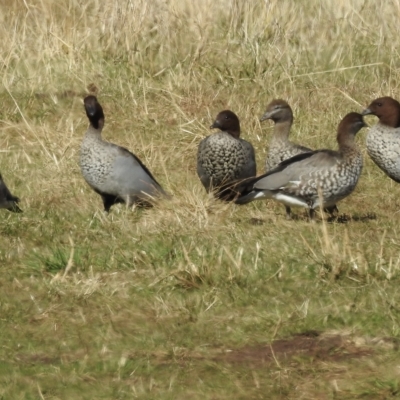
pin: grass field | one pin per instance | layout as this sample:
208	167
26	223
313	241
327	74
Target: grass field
193	299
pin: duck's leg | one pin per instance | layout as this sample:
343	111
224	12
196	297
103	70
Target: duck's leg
311	213
332	210
288	212
15	208
108	201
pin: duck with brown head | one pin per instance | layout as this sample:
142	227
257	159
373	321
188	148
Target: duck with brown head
112	171
383	139
7	200
224	160
306	179
280	148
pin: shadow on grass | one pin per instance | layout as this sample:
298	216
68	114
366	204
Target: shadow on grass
340	219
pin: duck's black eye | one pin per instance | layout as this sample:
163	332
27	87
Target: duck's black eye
379	104
226	116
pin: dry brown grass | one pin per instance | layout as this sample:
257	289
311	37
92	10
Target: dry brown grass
135	304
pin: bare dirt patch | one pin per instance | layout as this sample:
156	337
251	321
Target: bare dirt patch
304	346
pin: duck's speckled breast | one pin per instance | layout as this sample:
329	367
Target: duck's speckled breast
96	161
383	146
222	158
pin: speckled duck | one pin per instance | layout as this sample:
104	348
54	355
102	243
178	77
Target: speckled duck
305	179
224	160
383	139
280	147
112	171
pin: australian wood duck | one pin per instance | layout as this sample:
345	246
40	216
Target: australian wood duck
305	179
112	171
383	139
7	200
280	147
224	160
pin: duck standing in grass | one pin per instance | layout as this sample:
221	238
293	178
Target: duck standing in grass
383	139
7	200
224	160
280	147
112	171
306	179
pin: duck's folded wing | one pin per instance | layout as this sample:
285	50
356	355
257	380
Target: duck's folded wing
131	177
298	168
250	157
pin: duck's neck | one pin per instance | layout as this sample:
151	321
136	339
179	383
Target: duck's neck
348	146
391	119
234	133
281	131
95	128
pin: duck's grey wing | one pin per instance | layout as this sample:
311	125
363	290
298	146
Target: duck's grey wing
296	169
250	168
123	150
130	177
288	173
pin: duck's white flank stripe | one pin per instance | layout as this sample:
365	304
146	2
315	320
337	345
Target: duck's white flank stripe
290	201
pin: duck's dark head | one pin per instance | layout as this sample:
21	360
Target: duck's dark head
227	121
278	111
386	109
94	111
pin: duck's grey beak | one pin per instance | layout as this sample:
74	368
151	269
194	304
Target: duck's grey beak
366	111
214	125
266	115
